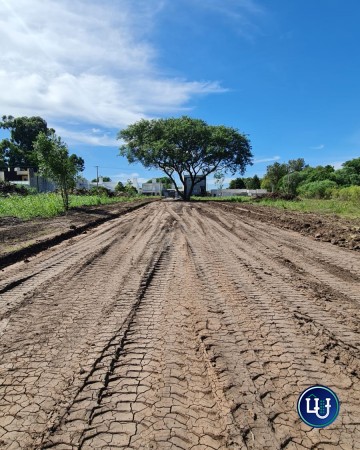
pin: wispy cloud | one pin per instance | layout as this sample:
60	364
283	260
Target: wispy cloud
264	160
243	15
86	61
318	147
99	138
236	9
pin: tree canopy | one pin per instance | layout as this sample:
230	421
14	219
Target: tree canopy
166	181
105	179
185	146
18	151
237	183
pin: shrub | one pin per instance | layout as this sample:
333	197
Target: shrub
102	191
7	189
317	189
347	194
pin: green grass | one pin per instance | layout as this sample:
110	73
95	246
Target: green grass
50	205
233	198
346	209
349	210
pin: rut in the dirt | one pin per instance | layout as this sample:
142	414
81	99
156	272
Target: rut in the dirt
185	326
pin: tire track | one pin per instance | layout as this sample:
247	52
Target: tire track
261	302
158	392
52	341
179	325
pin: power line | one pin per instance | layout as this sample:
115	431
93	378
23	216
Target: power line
116	168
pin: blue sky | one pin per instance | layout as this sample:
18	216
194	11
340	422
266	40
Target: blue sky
285	72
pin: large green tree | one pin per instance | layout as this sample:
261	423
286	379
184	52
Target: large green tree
18	149
274	174
56	163
237	183
185	146
349	174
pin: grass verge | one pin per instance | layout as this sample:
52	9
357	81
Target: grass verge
50	205
346	209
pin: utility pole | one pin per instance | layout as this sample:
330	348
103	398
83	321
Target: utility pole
97	177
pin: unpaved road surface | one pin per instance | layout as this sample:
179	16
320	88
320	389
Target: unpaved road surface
179	326
21	238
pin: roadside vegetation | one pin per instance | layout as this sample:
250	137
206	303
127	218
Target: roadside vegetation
347	209
51	204
297	186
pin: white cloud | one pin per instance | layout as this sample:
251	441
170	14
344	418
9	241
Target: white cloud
337	164
86	61
318	147
98	138
274	158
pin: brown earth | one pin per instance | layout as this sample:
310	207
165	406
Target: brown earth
21	238
322	227
179	326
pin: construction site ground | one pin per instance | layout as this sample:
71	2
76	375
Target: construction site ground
180	326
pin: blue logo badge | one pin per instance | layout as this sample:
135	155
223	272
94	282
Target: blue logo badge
318	406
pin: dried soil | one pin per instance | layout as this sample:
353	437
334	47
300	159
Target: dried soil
179	326
322	227
22	238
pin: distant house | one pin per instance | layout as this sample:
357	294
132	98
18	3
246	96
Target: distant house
27	177
111	185
199	187
153	188
233	192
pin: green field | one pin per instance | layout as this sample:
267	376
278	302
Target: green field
50	205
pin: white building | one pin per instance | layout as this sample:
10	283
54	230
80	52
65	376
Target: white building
234	192
153	188
28	178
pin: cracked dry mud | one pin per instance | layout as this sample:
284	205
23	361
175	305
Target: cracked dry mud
179	326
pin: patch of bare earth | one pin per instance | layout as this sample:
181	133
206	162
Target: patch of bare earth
24	237
322	227
179	326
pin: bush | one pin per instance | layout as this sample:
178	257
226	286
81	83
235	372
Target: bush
102	191
7	189
317	189
348	194
80	191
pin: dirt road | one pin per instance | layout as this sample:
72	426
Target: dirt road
179	326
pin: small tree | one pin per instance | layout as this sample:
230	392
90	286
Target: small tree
185	146
130	189
219	178
120	187
56	163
